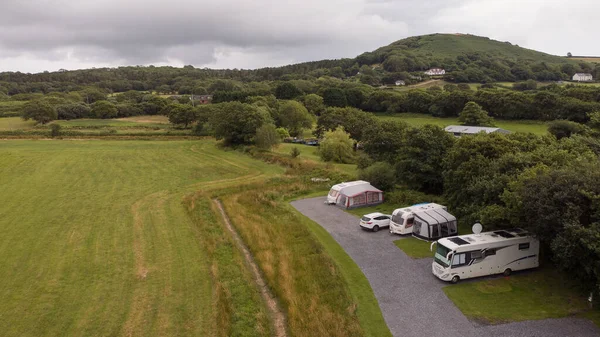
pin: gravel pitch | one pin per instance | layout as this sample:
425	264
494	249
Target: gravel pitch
410	297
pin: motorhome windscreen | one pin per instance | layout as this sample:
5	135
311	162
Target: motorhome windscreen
440	255
397	218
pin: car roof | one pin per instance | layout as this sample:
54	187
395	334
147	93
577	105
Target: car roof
376	214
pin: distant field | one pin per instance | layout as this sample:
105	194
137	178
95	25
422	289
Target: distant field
536	127
15	123
96	241
312	153
586	59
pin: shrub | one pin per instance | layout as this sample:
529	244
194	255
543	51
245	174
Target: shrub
54	130
267	137
380	174
294	152
337	146
562	129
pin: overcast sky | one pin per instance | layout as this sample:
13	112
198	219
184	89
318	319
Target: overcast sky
38	35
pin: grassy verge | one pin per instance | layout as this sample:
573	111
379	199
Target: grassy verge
320	287
312	153
538	294
415	248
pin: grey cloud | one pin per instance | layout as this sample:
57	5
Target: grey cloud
249	34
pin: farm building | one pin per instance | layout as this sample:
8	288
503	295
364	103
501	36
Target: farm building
400	82
433	224
202	99
435	72
583	77
354	194
460	130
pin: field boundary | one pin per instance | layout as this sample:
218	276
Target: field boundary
279	321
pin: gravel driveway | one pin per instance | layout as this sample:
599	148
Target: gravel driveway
410	297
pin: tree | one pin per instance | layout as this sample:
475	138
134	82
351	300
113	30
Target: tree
561	129
293	116
104	109
314	104
236	123
267	137
54	130
39	111
287	90
182	114
353	120
283	133
420	162
128	109
92	95
334	97
569	54
474	115
380	175
383	141
337	146
73	111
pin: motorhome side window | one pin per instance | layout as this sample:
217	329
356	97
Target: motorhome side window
410	221
523	246
490	252
476	255
459	259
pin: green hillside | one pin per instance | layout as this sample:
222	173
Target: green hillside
469	58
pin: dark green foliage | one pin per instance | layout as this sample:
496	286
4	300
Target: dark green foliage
73	111
182	114
54	130
128	110
104	109
562	129
380	175
353	120
314	104
40	111
337	146
474	115
287	90
236	123
267	137
420	163
383	141
293	116
334	97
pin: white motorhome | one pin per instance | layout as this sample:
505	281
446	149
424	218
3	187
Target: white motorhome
334	193
403	218
499	252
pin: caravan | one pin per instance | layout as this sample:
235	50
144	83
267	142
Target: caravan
499	252
403	218
335	191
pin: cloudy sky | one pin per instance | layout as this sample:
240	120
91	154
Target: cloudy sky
38	35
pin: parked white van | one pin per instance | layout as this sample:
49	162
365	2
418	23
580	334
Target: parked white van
334	193
403	218
499	252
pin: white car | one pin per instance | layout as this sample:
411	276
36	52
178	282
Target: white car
375	221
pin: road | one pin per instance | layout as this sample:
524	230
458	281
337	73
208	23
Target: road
410	297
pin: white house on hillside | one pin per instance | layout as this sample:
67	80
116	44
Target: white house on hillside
583	77
435	72
400	82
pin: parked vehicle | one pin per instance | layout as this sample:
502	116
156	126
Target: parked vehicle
433	224
311	142
499	252
403	218
375	221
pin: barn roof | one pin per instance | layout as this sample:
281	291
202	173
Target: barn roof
473	129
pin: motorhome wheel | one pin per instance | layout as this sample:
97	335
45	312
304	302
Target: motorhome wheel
507	272
455	279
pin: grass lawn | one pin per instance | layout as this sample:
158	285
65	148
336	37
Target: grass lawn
415	248
537	294
15	123
312	153
139	121
536	127
96	240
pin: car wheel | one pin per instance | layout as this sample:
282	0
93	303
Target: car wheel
455	279
507	272
375	228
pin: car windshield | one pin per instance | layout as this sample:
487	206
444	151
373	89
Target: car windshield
397	218
440	255
364	218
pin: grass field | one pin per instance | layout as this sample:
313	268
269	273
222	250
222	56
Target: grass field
524	296
15	123
536	127
312	153
417	249
121	238
95	239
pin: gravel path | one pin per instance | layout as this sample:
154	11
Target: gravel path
410	297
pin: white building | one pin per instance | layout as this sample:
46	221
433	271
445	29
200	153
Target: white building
583	77
400	82
435	72
460	130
